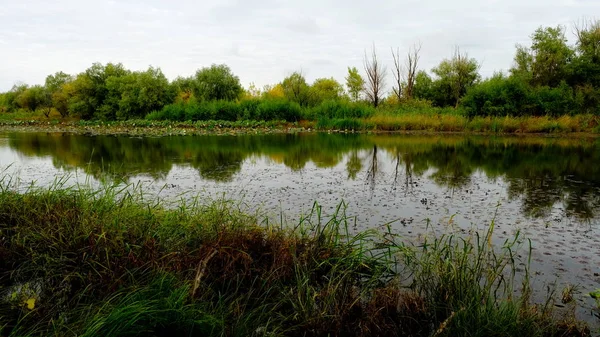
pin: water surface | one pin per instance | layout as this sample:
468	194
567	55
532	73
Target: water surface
547	189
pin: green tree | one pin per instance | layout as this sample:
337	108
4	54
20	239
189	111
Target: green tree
92	97
10	99
56	94
324	89
296	89
57	80
355	83
546	61
61	97
454	77
143	92
423	88
33	98
498	95
217	82
585	67
183	88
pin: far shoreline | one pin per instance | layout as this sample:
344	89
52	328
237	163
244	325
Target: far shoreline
251	127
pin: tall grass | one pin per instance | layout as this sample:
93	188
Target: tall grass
75	261
458	123
251	109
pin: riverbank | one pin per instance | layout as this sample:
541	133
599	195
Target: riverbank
381	123
75	261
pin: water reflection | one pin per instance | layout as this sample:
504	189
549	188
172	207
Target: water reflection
539	171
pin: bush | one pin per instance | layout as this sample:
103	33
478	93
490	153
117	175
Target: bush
554	101
341	110
278	109
252	109
497	96
340	124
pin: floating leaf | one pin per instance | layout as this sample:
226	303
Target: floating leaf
30	303
595	294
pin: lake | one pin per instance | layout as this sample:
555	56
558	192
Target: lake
546	189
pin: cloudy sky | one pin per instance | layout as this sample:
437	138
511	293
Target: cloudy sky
264	40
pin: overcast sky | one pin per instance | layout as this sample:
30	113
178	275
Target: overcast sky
264	41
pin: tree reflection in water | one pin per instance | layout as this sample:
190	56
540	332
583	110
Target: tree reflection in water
540	171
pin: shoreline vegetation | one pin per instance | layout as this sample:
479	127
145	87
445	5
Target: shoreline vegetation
583	125
108	262
552	87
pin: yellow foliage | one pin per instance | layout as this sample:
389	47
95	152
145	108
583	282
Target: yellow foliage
273	91
252	92
30	303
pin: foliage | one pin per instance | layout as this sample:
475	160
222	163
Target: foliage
341	109
248	109
355	83
498	96
297	90
545	63
216	82
454	77
326	89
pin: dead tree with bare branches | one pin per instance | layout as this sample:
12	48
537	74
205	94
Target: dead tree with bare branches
412	61
397	87
375	83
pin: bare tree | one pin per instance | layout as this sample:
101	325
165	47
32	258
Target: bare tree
375	83
397	87
412	61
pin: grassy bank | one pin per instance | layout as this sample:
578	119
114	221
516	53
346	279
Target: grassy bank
77	262
422	121
460	123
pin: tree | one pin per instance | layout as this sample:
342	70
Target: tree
183	88
397	87
143	92
546	61
57	96
405	77
455	77
10	100
32	98
355	83
94	92
324	89
588	39
55	82
252	92
61	97
585	67
217	82
273	91
296	89
498	96
375	83
412	61
423	86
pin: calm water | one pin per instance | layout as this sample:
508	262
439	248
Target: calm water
546	188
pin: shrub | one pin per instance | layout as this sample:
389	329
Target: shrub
341	109
278	109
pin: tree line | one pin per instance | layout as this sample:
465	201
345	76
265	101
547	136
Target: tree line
548	77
